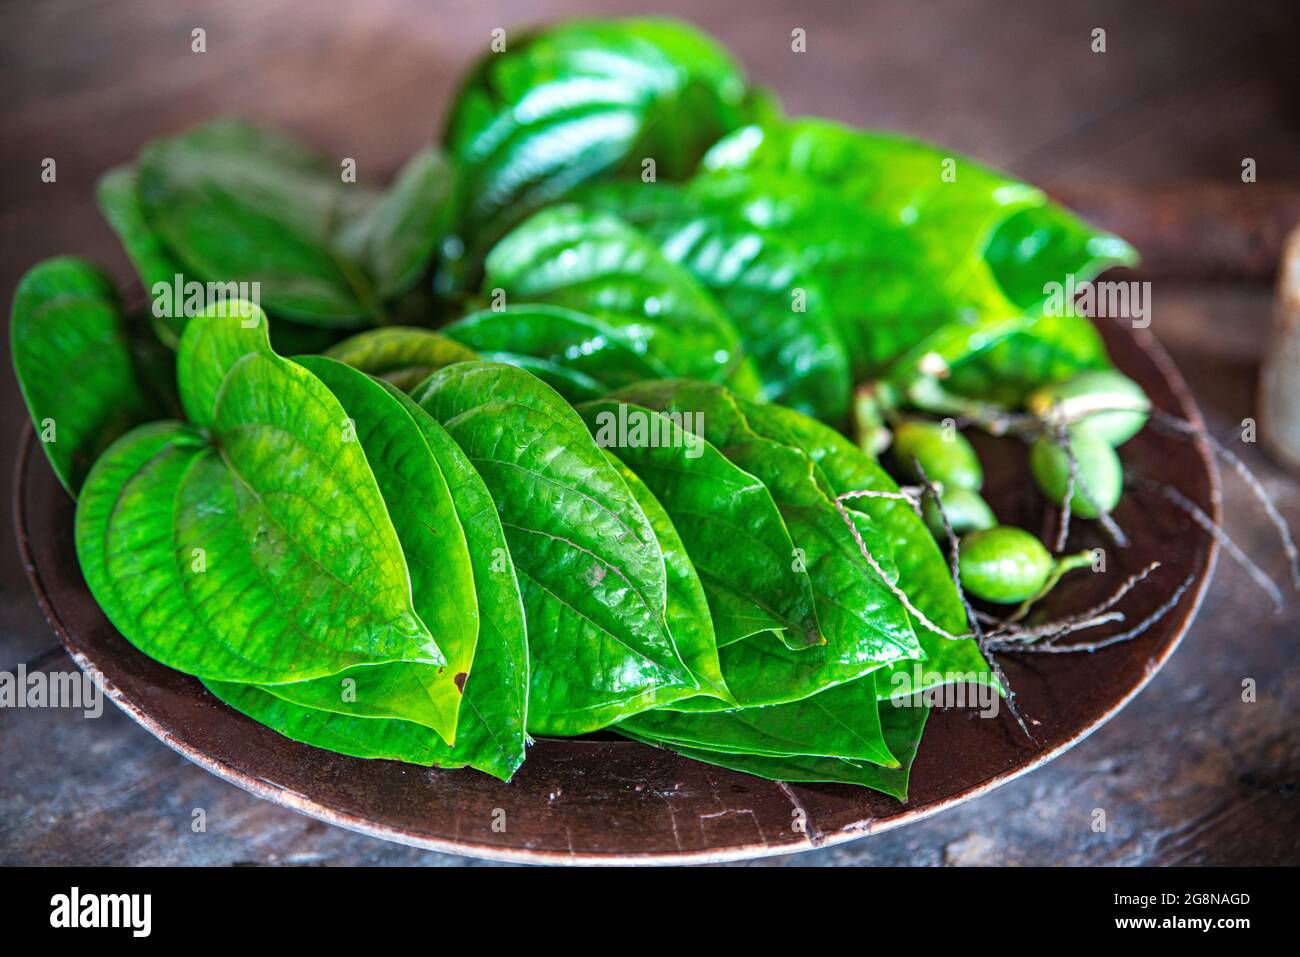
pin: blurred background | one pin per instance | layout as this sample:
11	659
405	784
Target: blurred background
1147	139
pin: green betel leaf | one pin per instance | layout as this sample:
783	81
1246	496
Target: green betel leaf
760	279
573	385
761	671
395	238
687	611
903	179
737	616
925	216
862	623
359	737
1045	244
596	263
591	570
235	204
158	269
291	504
923	572
529	335
888	288
119	201
442	580
800	770
842	722
582	100
956	255
201	609
297	604
731	527
1030	252
491	732
74	363
902	729
127	553
402	355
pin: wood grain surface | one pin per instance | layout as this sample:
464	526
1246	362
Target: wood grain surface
1189	773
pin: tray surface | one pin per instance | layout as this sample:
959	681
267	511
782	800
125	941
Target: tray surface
608	801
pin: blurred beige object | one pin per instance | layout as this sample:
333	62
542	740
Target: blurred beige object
1279	388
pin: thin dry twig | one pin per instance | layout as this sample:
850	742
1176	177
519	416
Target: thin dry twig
1125	587
1098	614
1172	424
1088	647
906	493
972	619
875	566
976	631
1062	439
1007	636
998	422
1055	629
1197	514
954	548
1063	531
1030	428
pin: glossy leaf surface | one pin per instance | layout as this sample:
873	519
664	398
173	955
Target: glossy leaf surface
402	355
686	610
759	278
491	733
286	510
1029	251
74	364
923	571
233	203
862	624
433	543
590	568
902	729
842	722
598	351
729	523
346	734
581	100
594	262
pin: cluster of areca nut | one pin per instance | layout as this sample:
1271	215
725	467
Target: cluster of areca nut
1073	428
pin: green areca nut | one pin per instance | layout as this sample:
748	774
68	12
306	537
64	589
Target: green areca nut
1104	404
869	423
1003	564
1099	476
943	452
965	510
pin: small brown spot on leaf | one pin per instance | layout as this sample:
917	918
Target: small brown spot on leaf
460	681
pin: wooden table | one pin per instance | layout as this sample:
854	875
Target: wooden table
1189	773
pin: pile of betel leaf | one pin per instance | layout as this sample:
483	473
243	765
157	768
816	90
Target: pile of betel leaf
563	444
